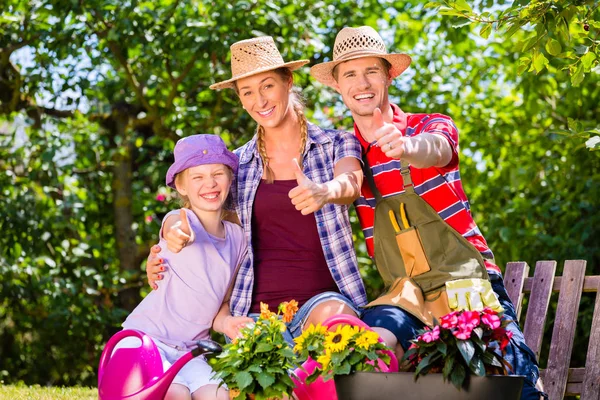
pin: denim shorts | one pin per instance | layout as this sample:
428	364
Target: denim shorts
401	323
294	328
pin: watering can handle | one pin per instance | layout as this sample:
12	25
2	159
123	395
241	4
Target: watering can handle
112	342
351	320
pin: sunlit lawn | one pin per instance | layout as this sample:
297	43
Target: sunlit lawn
46	393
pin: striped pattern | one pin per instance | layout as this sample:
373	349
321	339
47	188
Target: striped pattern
324	148
440	187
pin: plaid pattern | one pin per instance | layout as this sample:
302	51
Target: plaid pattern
324	148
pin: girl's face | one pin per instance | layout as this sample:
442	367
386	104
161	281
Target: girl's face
206	186
266	97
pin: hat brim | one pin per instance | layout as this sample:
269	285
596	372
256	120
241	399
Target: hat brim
230	83
324	72
227	158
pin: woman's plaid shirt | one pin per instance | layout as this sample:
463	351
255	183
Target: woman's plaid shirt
324	148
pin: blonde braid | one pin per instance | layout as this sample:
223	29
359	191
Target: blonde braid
262	150
298	107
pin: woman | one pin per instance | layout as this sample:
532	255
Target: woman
294	184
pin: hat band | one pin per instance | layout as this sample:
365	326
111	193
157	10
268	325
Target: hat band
360	52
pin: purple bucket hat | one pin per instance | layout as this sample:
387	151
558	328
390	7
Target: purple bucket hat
197	150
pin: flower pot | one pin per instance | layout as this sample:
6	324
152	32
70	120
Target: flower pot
378	386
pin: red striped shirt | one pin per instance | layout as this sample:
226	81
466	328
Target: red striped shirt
441	188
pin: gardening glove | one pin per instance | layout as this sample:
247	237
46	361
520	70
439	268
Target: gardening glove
472	294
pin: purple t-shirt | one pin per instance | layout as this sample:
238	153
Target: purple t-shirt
192	291
288	255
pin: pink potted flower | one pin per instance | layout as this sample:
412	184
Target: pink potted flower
461	344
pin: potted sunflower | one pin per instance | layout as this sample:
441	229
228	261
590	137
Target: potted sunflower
256	365
348	348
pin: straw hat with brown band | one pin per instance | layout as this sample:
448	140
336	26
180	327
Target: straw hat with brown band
254	56
353	43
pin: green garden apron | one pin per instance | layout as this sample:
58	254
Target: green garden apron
417	252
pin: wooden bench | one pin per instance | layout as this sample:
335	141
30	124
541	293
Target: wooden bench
558	378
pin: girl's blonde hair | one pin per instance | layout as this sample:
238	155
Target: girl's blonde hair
298	106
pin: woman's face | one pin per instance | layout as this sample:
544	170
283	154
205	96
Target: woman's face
266	97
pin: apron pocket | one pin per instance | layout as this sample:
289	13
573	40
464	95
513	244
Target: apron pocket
411	250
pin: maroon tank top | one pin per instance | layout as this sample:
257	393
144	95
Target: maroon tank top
288	256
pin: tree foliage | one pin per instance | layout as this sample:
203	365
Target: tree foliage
94	94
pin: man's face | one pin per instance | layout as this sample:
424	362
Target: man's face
363	84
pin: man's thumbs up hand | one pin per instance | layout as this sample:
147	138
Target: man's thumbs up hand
388	136
308	196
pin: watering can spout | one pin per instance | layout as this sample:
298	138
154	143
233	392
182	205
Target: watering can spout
157	389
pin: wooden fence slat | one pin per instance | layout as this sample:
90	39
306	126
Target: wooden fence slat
590	284
561	346
541	290
591	381
514	279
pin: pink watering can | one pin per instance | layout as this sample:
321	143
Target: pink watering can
319	389
137	373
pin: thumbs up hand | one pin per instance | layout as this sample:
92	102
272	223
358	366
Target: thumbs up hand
180	233
388	136
308	196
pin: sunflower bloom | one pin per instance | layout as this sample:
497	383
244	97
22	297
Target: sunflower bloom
338	341
324	359
367	339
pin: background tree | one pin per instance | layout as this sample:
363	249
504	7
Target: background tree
94	94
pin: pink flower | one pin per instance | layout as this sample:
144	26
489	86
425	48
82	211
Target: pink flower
432	335
161	197
462	333
450	320
468	320
491	320
149	218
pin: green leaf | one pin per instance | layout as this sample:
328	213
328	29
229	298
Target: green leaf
442	348
450	11
553	47
448	366
477	366
524	63
539	62
574	125
467	350
577	76
264	347
265	380
458	22
243	379
562	28
485	31
344	369
432	4
587	60
427	362
458	375
580	49
462	5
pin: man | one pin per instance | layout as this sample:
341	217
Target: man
412	161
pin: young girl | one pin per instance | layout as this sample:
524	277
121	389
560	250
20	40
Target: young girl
183	311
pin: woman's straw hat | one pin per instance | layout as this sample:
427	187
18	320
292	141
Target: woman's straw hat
253	56
353	43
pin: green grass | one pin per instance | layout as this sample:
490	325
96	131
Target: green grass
37	392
